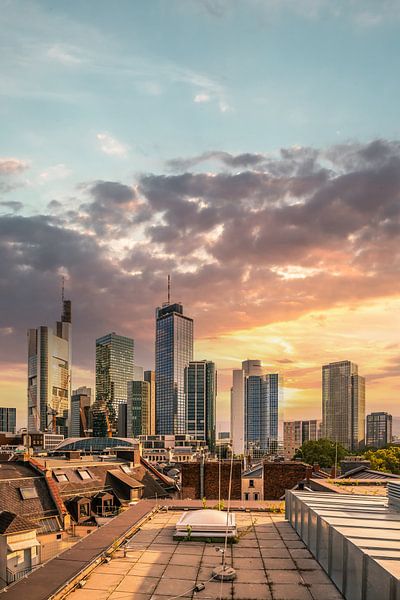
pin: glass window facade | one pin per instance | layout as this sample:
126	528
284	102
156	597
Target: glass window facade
343	404
174	351
201	393
8	419
379	429
114	368
262	393
139	408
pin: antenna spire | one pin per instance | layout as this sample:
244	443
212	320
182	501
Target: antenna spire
169	289
62	289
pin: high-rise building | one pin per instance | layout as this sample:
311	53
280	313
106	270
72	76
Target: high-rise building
80	410
49	375
114	368
174	351
100	419
201	395
8	419
379	429
150	377
249	367
254	410
138	416
122	419
343	404
295	433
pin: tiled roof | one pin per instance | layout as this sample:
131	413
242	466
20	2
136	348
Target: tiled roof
12	523
32	508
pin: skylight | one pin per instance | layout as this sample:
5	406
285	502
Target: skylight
27	493
84	474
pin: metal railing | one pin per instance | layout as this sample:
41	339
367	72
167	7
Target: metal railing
17	575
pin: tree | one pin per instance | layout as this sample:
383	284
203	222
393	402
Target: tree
385	459
322	452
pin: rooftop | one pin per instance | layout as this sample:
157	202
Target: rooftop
270	560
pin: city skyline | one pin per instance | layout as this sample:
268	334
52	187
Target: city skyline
263	175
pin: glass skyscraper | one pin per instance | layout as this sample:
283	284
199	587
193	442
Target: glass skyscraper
114	368
343	404
174	351
379	429
201	394
8	419
261	404
49	375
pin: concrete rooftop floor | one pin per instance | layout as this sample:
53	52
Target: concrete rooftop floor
270	560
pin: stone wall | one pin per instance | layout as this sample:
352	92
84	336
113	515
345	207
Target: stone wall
191	480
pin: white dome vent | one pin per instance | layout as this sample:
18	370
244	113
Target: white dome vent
214	524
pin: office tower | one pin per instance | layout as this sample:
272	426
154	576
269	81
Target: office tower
150	377
138	408
343	404
122	419
295	433
100	422
379	429
249	367
201	395
49	375
8	419
138	374
174	351
114	368
80	410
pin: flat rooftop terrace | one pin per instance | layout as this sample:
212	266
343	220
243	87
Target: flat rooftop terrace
270	560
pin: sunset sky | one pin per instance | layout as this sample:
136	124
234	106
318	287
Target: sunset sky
250	148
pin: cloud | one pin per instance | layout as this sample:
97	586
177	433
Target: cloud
12	166
230	160
111	146
13	205
64	54
54	173
201	98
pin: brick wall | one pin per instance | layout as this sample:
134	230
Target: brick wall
279	477
191	480
131	454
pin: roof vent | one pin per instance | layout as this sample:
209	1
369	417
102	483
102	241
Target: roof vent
214	524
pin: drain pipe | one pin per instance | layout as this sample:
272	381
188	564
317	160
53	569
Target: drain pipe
202	478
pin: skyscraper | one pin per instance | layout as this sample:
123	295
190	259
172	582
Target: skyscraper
138	409
80	409
174	351
249	367
8	419
254	410
343	404
379	429
150	377
201	394
49	375
114	368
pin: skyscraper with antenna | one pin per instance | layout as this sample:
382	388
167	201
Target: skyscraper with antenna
174	351
49	373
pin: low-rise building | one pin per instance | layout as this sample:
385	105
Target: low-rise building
252	483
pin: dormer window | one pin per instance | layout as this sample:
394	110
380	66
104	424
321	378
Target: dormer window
61	477
126	469
83	474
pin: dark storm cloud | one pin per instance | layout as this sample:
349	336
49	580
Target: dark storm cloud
239	160
230	240
12	205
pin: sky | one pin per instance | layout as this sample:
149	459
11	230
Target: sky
250	148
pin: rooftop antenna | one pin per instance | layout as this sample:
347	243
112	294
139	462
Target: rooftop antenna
169	289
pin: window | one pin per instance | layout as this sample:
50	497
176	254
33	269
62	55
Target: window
59	536
84	510
126	469
28	493
34	552
61	477
256	496
84	474
246	496
251	483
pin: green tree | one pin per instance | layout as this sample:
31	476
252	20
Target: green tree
385	459
322	452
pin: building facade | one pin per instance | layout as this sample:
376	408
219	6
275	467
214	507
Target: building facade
114	368
174	351
201	397
343	404
261	396
8	419
138	414
49	375
150	377
295	433
379	429
80	412
249	368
